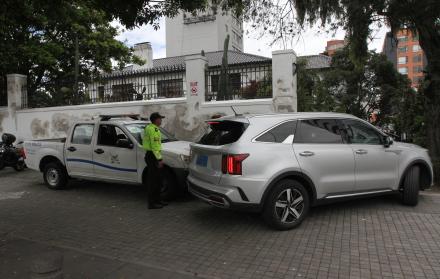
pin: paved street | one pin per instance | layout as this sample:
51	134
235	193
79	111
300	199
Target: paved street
106	231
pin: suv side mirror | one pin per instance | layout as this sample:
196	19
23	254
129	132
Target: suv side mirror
387	141
124	143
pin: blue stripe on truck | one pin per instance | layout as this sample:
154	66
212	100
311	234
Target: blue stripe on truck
100	164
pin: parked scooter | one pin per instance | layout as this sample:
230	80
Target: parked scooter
10	155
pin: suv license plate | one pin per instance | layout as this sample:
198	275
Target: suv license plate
202	160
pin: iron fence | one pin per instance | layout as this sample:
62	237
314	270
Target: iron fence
3	91
24	97
246	81
121	86
138	85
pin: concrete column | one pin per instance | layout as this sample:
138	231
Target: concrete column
17	89
195	81
284	81
189	122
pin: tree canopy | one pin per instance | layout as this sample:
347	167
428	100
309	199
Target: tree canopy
376	89
38	39
133	13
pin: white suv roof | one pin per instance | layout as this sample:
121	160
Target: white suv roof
288	115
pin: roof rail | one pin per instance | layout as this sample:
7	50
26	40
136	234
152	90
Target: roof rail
106	117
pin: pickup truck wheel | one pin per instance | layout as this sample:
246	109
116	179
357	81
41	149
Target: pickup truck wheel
55	176
411	186
287	205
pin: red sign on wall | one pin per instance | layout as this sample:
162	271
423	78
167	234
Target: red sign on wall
194	88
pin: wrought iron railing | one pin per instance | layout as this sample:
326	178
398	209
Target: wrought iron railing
120	86
246	81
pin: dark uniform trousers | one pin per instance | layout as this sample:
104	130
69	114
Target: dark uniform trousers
154	182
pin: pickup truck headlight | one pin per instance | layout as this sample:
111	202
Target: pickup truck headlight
185	159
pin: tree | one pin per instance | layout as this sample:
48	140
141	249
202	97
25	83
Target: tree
287	18
376	88
312	93
409	122
38	37
133	13
224	87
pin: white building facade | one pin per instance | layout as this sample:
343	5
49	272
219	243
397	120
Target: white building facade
188	34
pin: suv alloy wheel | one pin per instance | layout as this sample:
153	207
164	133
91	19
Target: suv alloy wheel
287	205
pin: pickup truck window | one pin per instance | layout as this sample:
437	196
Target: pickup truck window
109	134
82	134
137	130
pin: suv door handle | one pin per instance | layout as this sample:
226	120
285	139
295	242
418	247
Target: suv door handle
361	151
307	153
99	151
71	149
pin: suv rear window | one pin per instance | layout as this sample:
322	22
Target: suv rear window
223	132
279	133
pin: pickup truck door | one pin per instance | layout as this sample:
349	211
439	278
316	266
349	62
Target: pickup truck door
78	151
113	161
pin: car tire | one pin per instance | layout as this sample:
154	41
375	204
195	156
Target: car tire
2	164
55	176
411	185
281	211
169	188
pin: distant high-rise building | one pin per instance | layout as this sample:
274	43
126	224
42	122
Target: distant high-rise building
333	46
404	51
189	33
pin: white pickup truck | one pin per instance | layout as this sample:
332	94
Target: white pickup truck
107	149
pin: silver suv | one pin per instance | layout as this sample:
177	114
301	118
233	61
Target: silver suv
282	164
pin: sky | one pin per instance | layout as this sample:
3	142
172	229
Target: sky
312	41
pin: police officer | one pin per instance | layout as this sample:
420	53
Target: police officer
152	144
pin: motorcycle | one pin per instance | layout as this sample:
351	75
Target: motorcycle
10	155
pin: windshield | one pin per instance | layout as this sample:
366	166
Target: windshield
137	130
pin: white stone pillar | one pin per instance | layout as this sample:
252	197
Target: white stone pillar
17	89
284	81
195	81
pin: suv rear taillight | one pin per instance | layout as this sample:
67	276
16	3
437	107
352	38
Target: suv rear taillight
232	164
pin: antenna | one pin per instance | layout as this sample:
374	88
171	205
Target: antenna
235	112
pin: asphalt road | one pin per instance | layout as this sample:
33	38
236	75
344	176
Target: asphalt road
106	231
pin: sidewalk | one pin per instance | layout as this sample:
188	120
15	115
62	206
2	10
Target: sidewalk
16	256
